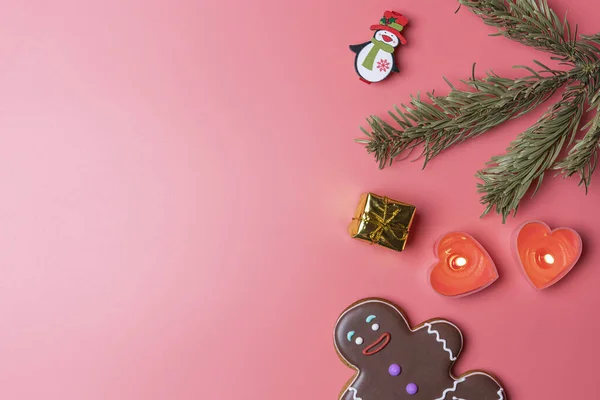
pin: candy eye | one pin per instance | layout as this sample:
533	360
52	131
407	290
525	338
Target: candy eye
375	327
358	340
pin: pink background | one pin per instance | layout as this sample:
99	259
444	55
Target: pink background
176	178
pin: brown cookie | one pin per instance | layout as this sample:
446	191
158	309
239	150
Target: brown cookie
395	361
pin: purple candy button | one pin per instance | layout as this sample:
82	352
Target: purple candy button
394	370
412	388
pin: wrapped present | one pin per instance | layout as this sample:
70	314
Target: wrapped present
383	221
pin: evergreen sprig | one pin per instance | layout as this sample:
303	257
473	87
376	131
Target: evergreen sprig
583	157
532	23
508	177
439	122
460	115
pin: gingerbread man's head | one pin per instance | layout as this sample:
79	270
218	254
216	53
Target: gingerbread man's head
368	330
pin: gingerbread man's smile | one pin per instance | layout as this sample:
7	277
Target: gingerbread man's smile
377	345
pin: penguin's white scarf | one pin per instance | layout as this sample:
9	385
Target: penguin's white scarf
377	45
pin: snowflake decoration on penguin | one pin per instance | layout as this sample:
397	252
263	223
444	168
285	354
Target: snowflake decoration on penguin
383	65
374	59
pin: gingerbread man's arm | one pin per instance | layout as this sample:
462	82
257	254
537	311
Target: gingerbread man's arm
446	334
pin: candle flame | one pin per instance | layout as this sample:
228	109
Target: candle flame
461	262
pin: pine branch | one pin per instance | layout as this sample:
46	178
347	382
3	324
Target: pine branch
509	177
530	22
595	39
591	78
583	157
460	115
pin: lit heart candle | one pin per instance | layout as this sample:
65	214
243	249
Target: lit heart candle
546	256
463	266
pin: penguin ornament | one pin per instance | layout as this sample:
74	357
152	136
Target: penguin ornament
375	59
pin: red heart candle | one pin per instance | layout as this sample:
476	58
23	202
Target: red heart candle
546	256
463	266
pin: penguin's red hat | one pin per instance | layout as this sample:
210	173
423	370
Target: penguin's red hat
394	22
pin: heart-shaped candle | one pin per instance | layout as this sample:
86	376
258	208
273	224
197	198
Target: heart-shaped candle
546	256
463	267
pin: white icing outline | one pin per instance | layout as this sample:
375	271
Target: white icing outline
456	380
432	331
354	394
463	378
452	389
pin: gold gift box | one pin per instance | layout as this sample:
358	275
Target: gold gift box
383	221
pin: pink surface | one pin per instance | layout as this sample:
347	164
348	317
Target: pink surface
176	179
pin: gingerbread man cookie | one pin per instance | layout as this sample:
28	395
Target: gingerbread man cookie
395	362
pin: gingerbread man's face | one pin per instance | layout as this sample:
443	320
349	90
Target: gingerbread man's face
368	330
